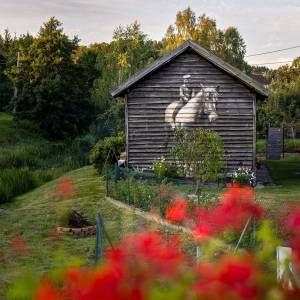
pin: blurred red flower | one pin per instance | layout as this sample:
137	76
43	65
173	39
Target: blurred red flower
148	250
229	278
18	245
128	270
236	207
46	291
177	211
293	229
66	189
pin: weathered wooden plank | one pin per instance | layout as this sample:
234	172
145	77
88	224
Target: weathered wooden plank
232	110
151	135
168	98
155	118
193	84
220	105
146	152
244	127
171	89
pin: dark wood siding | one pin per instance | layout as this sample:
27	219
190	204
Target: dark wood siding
150	137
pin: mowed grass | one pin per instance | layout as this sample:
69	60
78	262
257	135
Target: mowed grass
286	176
35	214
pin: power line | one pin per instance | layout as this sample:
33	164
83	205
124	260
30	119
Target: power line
274	51
274	63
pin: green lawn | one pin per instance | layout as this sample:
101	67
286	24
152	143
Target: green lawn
286	175
34	214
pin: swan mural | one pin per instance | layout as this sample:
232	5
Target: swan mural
192	105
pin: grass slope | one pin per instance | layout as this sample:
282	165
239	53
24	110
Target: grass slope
34	214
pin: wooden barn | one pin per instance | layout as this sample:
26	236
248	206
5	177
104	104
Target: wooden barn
189	88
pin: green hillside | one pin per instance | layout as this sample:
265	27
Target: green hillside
27	160
35	214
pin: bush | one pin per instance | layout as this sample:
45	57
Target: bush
107	150
132	191
14	182
162	169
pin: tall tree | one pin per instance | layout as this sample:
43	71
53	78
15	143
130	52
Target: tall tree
283	105
129	51
6	88
227	44
49	83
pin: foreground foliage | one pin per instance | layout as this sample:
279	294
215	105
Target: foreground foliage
145	265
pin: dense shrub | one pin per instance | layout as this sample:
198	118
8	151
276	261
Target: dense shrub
107	151
162	169
14	182
135	192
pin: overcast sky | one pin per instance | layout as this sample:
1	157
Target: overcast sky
264	24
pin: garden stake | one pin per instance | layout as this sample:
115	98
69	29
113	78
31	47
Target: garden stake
242	235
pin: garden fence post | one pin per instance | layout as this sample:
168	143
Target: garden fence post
107	179
99	239
100	234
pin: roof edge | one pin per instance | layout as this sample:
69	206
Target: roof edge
229	69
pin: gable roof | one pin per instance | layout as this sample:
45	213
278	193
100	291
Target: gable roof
229	69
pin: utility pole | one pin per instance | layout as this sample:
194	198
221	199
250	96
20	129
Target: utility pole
16	88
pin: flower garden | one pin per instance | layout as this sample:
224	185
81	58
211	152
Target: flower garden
210	240
146	265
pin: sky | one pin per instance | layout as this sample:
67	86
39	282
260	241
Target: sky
265	25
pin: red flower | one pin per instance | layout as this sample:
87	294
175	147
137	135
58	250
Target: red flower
127	272
46	291
148	250
236	207
230	278
203	231
293	229
65	189
177	211
19	246
293	221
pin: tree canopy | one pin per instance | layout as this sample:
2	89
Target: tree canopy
283	105
227	44
52	88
